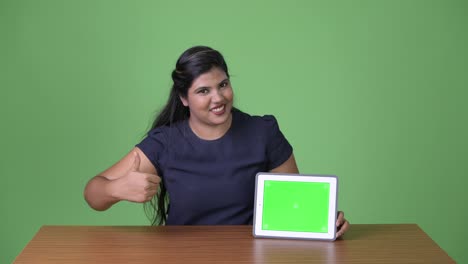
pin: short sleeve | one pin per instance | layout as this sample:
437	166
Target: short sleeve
278	148
153	146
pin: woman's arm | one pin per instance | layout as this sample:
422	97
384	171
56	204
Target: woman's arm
133	178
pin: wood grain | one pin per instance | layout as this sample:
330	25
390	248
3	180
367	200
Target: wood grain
405	243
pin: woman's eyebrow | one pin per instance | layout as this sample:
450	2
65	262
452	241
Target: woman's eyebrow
208	87
202	87
225	80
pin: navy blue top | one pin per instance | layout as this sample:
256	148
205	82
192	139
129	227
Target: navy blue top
212	182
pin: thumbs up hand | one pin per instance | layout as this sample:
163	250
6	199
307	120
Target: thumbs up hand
137	186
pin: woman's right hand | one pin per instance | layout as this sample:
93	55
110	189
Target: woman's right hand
133	178
135	186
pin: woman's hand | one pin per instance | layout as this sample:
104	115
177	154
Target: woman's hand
133	178
135	186
341	224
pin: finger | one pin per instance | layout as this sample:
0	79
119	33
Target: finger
149	197
136	162
151	193
153	178
151	187
340	218
342	229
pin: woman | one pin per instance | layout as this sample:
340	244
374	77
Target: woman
200	149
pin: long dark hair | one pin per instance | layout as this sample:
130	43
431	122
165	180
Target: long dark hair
192	63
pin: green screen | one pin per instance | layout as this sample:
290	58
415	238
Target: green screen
296	206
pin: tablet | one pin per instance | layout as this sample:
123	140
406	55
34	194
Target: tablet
295	206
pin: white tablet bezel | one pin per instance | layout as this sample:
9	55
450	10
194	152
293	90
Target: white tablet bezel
258	208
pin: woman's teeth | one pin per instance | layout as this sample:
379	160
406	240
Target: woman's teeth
218	109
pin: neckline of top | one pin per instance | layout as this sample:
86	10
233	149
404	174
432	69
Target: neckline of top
193	135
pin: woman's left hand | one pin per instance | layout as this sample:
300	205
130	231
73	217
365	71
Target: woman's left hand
341	224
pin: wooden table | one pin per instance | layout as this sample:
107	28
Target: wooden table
405	243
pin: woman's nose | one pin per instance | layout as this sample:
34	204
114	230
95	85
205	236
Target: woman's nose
217	96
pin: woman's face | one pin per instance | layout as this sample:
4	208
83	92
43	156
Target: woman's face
210	99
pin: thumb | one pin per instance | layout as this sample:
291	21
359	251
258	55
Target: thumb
136	162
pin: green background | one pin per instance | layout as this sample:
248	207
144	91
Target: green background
372	91
295	206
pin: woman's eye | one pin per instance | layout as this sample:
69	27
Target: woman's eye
203	91
224	84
